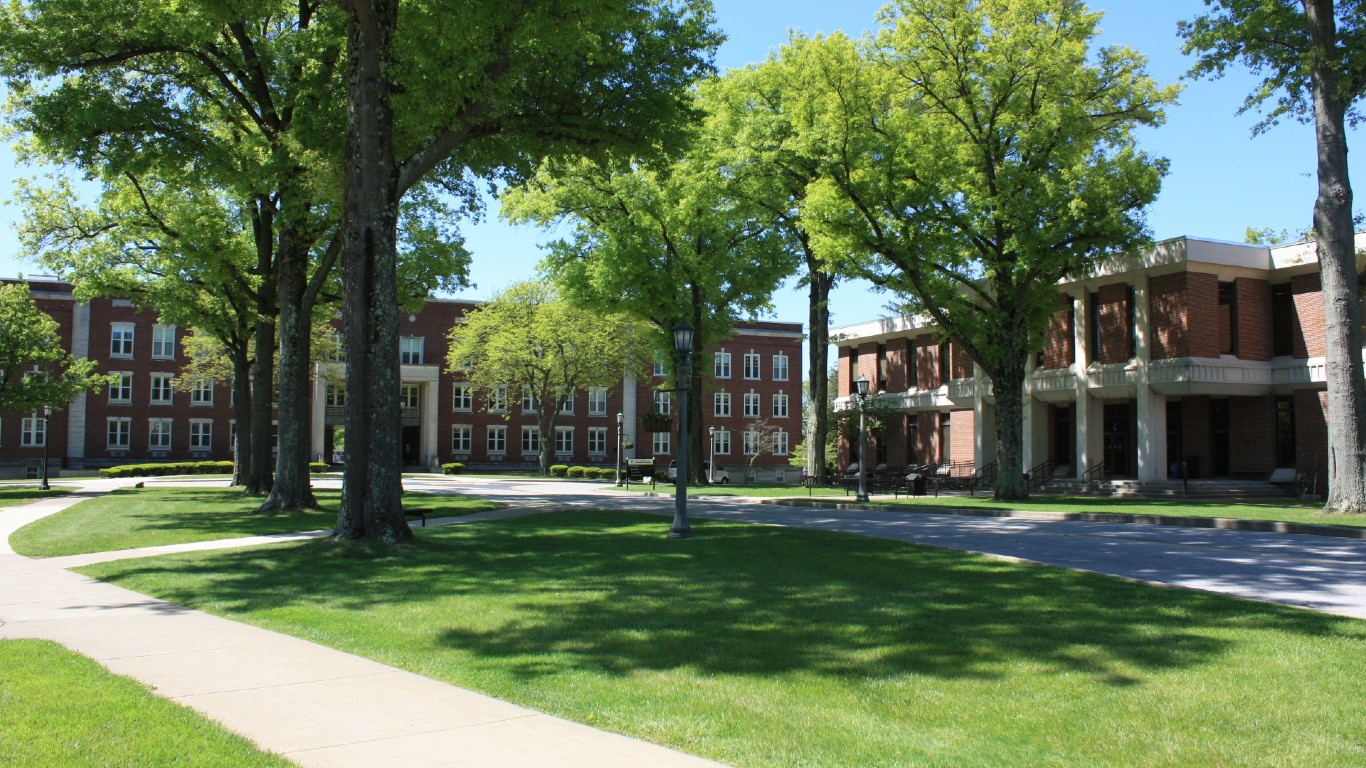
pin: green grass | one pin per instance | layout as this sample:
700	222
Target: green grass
19	494
130	518
764	646
731	489
62	709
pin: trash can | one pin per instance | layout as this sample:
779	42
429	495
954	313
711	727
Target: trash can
915	484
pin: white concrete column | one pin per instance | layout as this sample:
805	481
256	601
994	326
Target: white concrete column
1152	407
984	419
1088	411
318	420
429	436
628	409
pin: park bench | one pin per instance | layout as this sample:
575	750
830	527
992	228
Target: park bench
419	512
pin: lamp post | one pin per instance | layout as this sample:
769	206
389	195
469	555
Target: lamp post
47	414
683	337
621	420
711	435
861	387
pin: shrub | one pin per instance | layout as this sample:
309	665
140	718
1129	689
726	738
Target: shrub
452	468
317	466
576	472
169	468
559	470
606	473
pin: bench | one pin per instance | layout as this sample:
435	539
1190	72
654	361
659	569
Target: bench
420	512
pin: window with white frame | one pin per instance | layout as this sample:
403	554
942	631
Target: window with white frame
528	399
462	398
121	340
410	350
567	404
659	365
751	405
118	433
663	402
597	401
497	438
751	365
780	367
659	445
202	393
779	476
159	434
121	389
232	435
462	438
338	353
336	394
751	443
410	396
201	434
780	405
779	443
163	388
531	441
498	399
163	342
720	404
33	431
564	441
722	438
597	441
720	365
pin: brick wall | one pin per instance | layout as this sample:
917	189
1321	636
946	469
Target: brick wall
1308	295
1113	309
1254	318
961	441
867	365
1195	432
1202	313
898	352
896	441
1167	316
1252	436
961	362
926	352
842	377
1059	348
1311	435
925	436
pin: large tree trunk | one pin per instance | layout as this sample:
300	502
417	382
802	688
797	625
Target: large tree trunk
372	503
1008	385
262	389
242	412
818	371
1337	270
292	488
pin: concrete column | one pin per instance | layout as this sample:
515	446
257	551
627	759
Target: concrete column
429	436
1152	407
76	413
628	409
1088	414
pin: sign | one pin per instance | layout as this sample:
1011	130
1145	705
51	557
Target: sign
639	469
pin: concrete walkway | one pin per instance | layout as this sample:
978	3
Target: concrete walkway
314	705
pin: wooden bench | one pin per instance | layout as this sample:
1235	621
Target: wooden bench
420	512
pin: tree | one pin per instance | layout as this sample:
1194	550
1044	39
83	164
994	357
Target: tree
466	91
530	340
1311	55
35	370
986	155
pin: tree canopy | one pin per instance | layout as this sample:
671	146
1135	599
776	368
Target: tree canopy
36	371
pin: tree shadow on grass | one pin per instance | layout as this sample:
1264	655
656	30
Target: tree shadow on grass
607	592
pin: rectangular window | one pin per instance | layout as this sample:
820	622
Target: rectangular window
882	368
410	350
119	433
121	340
163	342
462	399
462	438
780	443
528	399
1092	327
722	446
751	441
498	399
564	441
751	365
659	365
531	441
663	402
409	397
163	389
1282	322
1228	319
780	367
201	435
597	441
659	445
597	401
721	404
33	431
780	405
232	435
721	365
338	352
159	434
567	404
751	405
202	394
121	391
498	439
336	395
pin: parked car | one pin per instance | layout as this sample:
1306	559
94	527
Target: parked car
718	472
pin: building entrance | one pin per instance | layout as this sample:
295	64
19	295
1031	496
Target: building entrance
1117	437
412	446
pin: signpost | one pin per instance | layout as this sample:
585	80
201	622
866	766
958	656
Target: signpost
639	469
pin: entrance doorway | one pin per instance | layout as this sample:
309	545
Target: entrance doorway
412	449
1218	442
1116	436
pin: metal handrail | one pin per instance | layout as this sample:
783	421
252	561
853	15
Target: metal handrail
1096	470
1041	472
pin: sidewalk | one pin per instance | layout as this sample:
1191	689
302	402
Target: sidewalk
314	705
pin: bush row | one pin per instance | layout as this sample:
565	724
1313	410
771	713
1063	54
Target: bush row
452	468
170	468
591	473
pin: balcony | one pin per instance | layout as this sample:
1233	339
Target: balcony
1204	376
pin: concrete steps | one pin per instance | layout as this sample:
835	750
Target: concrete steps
1229	490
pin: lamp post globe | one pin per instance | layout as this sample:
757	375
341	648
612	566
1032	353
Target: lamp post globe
683	339
861	401
47	414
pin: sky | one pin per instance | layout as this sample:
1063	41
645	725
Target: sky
1222	179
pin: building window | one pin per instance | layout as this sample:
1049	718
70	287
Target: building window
944	453
564	441
498	439
721	365
751	405
882	368
232	435
121	340
567	404
121	390
462	438
528	399
202	394
1282	322
159	434
1092	327
1228	319
659	365
338	352
597	441
751	365
201	435
659	445
410	397
721	404
779	444
462	399
163	342
33	431
162	388
722	445
780	405
663	402
498	399
751	443
597	401
410	350
780	367
336	395
531	441
118	433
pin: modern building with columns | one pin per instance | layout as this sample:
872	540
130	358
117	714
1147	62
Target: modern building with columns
1195	353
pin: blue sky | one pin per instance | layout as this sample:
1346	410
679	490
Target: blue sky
1222	179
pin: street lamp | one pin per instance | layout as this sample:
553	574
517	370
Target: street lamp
683	337
621	421
861	389
711	434
47	414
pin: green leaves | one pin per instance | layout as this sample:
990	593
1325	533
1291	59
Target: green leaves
35	369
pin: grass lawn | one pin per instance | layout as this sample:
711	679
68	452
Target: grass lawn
764	646
20	494
150	517
62	709
731	489
1286	510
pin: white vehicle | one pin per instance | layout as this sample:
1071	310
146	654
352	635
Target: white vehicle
718	473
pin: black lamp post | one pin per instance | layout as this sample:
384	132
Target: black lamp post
683	336
861	390
711	435
47	414
621	420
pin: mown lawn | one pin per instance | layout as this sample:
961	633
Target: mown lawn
149	517
1285	510
61	709
764	646
11	495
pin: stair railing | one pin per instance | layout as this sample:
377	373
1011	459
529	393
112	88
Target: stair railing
1040	473
1096	476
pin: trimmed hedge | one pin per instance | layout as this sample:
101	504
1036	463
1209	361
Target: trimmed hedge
559	470
452	468
576	472
317	466
170	468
